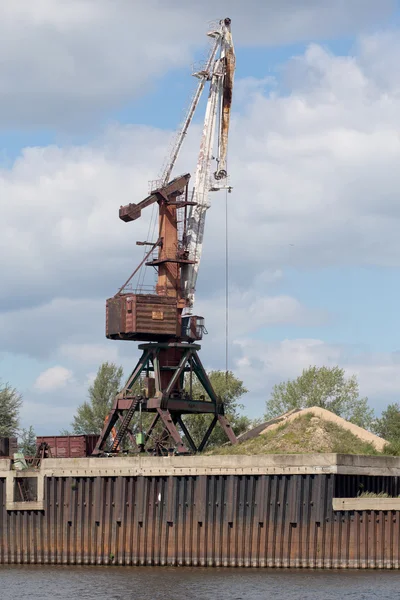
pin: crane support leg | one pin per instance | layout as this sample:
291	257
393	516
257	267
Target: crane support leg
223	421
207	434
164	373
170	426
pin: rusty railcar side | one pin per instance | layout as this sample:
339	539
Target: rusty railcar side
69	446
8	445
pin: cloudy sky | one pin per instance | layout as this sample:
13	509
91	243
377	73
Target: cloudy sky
91	92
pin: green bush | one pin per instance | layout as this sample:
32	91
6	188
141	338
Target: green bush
392	449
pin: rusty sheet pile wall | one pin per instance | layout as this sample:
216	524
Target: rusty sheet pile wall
252	520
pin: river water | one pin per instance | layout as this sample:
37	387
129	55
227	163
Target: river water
164	583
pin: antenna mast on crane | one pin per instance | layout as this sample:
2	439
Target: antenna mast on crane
162	381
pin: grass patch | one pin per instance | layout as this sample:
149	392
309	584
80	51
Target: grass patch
374	495
345	442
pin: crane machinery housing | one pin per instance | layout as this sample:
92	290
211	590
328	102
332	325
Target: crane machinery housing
161	383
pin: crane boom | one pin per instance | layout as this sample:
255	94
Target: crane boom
180	280
203	76
217	111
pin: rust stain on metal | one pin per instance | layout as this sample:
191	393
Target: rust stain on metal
230	65
207	520
139	316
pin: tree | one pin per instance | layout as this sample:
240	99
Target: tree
388	426
90	415
326	387
27	443
10	404
229	389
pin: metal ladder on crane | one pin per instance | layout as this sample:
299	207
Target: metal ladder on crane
125	424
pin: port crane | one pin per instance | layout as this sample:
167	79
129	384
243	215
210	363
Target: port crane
161	383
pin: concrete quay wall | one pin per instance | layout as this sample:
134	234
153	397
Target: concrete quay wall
275	510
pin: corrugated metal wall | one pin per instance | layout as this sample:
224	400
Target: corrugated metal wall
349	486
268	520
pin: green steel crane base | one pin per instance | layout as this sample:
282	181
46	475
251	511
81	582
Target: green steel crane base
168	402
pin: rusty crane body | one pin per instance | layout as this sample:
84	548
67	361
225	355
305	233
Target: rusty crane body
161	383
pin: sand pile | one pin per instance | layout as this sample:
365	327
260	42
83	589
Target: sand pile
305	431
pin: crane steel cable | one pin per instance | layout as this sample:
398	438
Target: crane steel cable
226	289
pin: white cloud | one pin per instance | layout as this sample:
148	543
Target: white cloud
316	179
379	375
315	184
262	364
90	353
251	310
271	23
67	62
47	418
318	171
53	379
60	215
40	330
